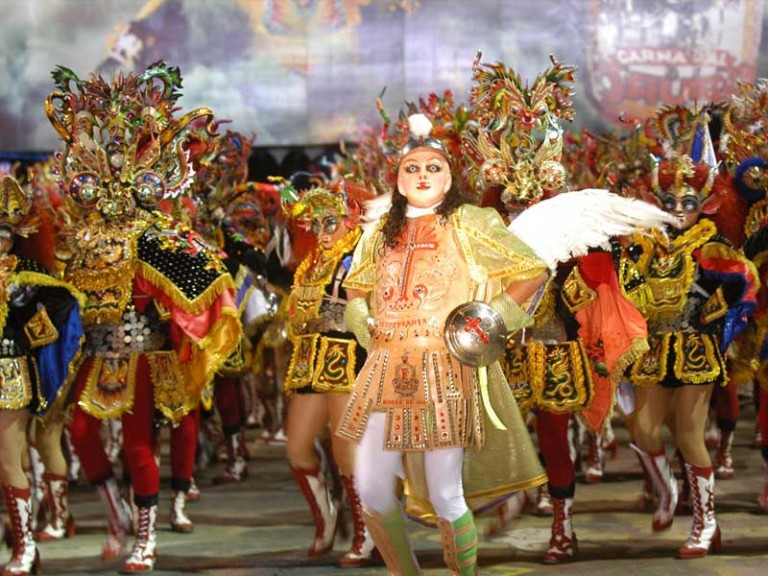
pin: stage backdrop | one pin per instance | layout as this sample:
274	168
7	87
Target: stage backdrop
307	72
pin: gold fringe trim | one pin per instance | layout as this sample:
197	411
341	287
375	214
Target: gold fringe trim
196	306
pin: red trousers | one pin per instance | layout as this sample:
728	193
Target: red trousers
138	436
183	449
552	432
230	402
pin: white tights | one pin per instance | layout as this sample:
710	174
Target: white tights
377	470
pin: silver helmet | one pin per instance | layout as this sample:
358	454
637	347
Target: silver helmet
475	333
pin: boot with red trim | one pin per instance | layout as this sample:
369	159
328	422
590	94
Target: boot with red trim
61	523
724	457
562	543
664	484
236	469
25	558
144	552
363	551
118	518
315	491
705	533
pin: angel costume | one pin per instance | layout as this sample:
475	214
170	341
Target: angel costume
429	398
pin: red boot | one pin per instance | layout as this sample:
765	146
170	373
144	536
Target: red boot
25	559
361	553
61	524
705	533
562	543
315	491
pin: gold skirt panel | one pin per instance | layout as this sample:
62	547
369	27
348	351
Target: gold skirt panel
322	364
109	385
430	399
18	376
680	358
554	377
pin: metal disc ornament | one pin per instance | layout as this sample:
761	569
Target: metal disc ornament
475	333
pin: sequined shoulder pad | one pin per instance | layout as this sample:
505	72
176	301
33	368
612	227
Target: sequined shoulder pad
175	256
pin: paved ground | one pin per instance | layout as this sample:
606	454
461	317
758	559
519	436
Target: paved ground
263	527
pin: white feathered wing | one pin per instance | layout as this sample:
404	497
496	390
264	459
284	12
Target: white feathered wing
569	224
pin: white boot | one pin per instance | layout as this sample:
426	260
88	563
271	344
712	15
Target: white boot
24	556
705	533
144	552
180	522
664	483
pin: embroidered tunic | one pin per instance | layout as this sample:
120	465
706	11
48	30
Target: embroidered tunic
430	399
326	355
159	299
701	291
40	337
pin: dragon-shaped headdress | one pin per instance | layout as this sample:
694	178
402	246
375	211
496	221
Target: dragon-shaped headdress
518	142
123	143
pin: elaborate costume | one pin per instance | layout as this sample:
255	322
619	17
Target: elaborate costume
41	339
160	313
412	396
744	132
326	357
700	293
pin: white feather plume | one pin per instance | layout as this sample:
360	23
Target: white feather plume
569	224
419	125
375	208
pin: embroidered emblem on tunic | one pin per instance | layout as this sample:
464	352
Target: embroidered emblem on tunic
405	382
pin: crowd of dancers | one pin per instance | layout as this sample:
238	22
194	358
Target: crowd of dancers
146	282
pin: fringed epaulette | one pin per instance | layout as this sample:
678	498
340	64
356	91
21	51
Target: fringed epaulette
26	265
29	272
178	260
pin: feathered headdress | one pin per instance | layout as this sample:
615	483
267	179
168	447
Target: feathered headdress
420	130
685	158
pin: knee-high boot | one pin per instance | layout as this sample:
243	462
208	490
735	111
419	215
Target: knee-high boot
562	542
315	491
724	455
118	518
61	523
460	544
705	533
144	552
236	469
362	549
665	485
391	539
24	556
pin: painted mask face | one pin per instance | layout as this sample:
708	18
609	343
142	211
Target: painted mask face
328	229
684	203
424	177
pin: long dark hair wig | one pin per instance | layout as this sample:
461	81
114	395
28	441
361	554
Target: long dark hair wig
396	215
